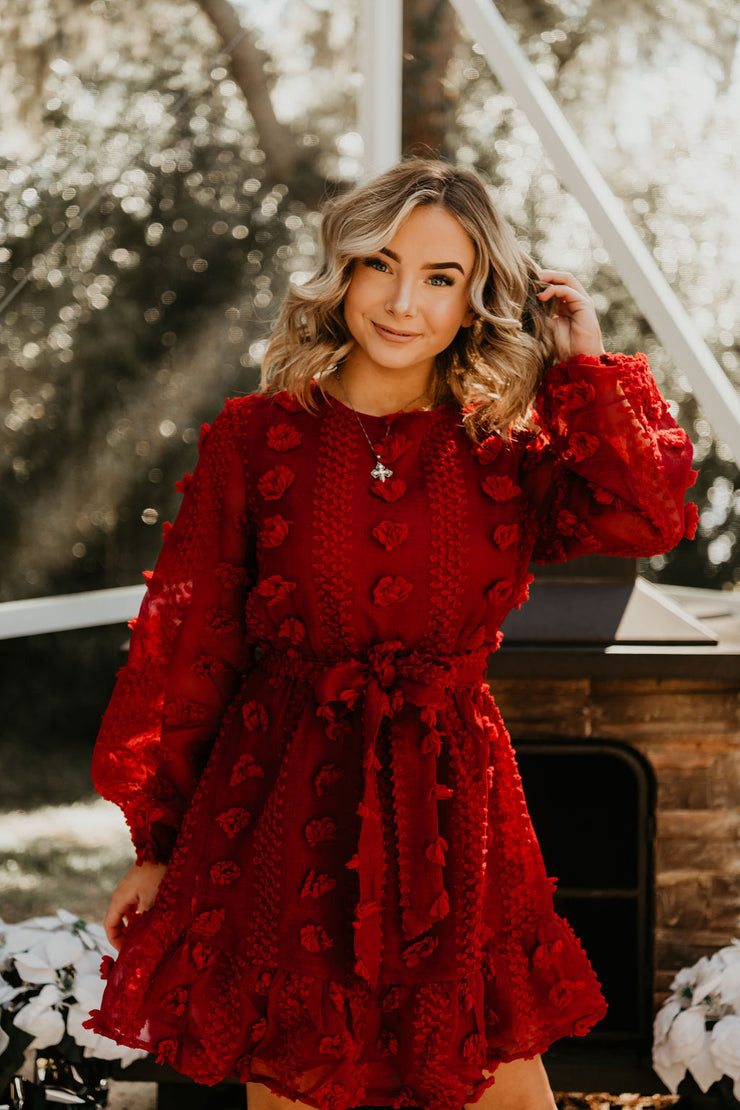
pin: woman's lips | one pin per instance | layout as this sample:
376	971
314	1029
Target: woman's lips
394	336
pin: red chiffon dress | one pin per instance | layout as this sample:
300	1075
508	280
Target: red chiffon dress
356	909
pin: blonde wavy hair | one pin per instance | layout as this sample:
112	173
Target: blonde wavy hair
492	368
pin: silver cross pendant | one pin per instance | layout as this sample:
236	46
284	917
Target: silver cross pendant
381	472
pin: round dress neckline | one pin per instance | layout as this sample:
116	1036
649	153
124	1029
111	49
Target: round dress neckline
389	416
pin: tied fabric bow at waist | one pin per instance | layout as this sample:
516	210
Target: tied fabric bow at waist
378	688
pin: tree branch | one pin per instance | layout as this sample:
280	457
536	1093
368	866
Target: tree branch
248	70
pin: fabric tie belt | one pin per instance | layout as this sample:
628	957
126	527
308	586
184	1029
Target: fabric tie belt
378	687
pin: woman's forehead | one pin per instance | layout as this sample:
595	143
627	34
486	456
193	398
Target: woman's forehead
432	231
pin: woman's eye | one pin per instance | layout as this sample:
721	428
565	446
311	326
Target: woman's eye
438	281
375	264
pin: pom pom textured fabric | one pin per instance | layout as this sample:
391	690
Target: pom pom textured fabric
356	910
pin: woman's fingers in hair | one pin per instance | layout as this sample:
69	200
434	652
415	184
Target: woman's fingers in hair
562	278
564	299
571	298
575	322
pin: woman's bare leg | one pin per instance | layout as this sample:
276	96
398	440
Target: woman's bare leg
519	1085
260	1097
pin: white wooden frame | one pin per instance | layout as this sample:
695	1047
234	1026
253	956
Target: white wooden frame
381	62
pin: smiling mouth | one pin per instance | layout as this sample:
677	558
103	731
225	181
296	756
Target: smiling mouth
392	331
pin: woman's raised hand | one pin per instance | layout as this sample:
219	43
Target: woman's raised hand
575	324
134	894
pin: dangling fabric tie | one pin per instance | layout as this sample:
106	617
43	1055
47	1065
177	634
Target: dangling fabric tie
377	689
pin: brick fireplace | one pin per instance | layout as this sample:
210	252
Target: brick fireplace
623	703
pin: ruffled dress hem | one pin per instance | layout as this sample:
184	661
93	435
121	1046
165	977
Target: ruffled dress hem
338	1045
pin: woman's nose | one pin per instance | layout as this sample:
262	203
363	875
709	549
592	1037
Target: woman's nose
402	298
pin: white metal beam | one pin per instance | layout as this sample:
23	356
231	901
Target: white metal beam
38	615
380	100
671	323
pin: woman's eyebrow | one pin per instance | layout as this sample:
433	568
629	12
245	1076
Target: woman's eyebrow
427	265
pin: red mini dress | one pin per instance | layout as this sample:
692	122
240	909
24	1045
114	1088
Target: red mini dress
356	909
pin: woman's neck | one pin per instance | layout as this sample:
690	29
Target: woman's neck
376	395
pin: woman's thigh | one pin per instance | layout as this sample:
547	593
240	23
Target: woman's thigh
260	1097
519	1085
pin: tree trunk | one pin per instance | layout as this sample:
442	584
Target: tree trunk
429	40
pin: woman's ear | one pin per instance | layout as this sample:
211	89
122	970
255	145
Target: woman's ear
467	319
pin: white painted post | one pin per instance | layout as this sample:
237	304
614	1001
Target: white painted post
381	62
667	316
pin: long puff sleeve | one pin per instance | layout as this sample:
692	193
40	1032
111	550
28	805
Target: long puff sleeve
187	649
609	468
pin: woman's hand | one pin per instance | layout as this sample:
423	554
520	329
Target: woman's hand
575	324
134	894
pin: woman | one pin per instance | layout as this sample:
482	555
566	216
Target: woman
338	896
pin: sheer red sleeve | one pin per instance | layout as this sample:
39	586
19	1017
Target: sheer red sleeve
187	650
609	469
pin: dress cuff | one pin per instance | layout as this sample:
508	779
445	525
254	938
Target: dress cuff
155	844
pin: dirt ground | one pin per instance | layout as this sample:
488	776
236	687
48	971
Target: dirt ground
602	1101
132	1096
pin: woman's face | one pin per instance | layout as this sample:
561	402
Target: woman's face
406	302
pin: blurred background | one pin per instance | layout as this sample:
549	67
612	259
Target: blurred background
159	193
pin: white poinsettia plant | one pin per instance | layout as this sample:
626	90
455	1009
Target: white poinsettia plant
697	1029
49	982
